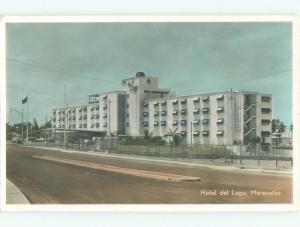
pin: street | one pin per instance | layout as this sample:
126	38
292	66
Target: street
48	182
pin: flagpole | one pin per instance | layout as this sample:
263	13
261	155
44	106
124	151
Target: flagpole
27	119
22	125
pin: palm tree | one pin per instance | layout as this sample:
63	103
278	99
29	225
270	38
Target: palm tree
174	135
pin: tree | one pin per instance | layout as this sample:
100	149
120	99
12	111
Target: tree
278	127
176	137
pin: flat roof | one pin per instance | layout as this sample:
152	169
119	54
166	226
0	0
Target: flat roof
208	94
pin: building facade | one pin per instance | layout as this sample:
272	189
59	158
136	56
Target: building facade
230	117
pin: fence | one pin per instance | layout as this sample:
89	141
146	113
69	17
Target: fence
241	155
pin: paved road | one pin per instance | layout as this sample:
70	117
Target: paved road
43	181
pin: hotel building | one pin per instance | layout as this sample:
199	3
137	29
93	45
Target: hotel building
228	117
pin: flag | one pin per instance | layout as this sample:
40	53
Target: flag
25	100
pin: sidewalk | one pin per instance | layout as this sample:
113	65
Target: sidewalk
190	163
14	195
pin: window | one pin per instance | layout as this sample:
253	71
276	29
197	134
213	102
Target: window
156	113
266	110
127	124
104	116
265	122
183	101
148	81
265	133
145	124
145	104
155	123
163	113
265	98
104	125
145	114
97	125
127	115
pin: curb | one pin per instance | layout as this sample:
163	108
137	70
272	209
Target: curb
14	195
173	162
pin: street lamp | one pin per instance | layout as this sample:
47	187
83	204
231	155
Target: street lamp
19	112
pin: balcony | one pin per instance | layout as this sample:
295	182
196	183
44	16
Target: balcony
205	110
196	122
205	122
104	107
175	123
92	125
196	111
163	113
196	133
97	107
97	116
104	97
183	101
205	99
163	103
145	124
163	123
220	121
175	102
183	112
183	133
220	133
183	122
205	133
104	125
156	123
104	116
145	104
156	113
196	100
220	109
220	98
175	112
92	108
97	125
92	117
155	104
145	114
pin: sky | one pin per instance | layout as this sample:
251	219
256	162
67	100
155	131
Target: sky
189	58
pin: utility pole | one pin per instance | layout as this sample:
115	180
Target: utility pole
109	125
191	132
27	118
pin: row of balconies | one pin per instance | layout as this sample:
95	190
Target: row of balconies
183	101
93	116
96	125
204	122
183	112
81	109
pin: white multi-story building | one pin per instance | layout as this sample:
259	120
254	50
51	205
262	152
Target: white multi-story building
230	117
